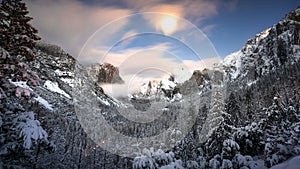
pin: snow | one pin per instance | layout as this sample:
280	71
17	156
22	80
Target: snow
21	84
143	162
251	83
165	109
63	73
53	86
39	99
230	143
177	164
69	81
192	164
66	76
103	101
226	164
168	85
293	163
44	103
155	89
234	60
177	97
262	35
30	129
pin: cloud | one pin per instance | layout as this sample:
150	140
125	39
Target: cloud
70	23
140	65
133	82
208	28
201	64
193	11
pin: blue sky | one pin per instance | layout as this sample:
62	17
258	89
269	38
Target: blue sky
235	22
227	23
234	28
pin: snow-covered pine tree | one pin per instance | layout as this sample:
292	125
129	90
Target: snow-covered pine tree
220	125
214	144
150	159
250	139
282	133
17	36
214	116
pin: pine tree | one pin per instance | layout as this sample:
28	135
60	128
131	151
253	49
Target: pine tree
220	125
249	104
17	35
232	108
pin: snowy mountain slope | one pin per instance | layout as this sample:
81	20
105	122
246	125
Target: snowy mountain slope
273	47
58	72
48	92
160	90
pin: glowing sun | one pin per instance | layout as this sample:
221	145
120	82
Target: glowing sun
168	24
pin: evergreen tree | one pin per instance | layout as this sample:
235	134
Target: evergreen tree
232	108
249	104
17	35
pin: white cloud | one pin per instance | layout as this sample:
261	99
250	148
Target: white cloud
201	64
140	65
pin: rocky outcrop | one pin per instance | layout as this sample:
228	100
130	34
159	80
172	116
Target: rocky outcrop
105	73
109	74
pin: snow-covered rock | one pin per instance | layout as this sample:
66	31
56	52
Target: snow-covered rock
166	90
273	47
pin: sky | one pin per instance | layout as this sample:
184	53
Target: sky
173	36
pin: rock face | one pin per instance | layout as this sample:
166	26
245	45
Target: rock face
105	73
109	74
198	77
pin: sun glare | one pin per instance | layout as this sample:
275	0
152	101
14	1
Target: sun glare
168	24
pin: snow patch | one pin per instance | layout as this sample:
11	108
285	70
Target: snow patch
54	88
44	102
103	101
69	81
21	84
39	99
63	73
233	61
251	83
